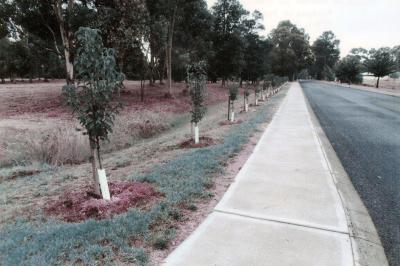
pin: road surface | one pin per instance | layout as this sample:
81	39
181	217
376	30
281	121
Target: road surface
364	129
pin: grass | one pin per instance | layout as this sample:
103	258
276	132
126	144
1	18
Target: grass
66	144
127	237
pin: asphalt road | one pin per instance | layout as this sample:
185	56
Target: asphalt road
364	129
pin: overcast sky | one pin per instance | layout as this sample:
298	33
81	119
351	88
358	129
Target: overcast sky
357	23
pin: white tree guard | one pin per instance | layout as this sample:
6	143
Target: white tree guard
196	134
105	192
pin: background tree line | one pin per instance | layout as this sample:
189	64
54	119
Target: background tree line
156	39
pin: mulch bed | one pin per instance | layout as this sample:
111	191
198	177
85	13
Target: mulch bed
203	142
227	122
82	204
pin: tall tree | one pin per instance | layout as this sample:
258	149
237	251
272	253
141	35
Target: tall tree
123	24
291	52
228	38
349	69
396	54
326	53
256	49
380	63
192	38
53	22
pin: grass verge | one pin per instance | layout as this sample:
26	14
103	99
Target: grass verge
126	238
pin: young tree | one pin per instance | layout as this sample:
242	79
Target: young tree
197	80
380	63
256	94
246	95
233	89
349	69
264	90
92	98
326	53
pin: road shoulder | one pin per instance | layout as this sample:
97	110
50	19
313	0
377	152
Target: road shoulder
366	88
366	243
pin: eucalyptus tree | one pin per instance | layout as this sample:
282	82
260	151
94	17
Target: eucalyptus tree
349	69
124	26
291	52
93	96
53	22
228	42
396	54
380	63
255	56
326	53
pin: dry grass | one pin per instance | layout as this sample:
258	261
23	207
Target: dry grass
55	146
130	128
384	83
59	144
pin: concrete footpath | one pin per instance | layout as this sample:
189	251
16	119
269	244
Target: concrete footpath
283	207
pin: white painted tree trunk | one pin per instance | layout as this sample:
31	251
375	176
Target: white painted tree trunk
196	134
246	107
105	192
256	101
263	97
232	116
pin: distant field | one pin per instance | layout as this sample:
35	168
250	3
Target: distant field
33	115
384	83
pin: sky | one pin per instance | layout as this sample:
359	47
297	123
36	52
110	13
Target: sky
356	23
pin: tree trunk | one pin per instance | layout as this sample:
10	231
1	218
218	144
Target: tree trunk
229	108
142	84
171	27
151	78
66	37
96	183
377	83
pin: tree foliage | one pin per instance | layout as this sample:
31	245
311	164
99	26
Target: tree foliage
197	79
380	63
291	50
92	99
349	69
326	54
228	43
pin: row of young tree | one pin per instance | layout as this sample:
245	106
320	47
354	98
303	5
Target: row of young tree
157	39
93	96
